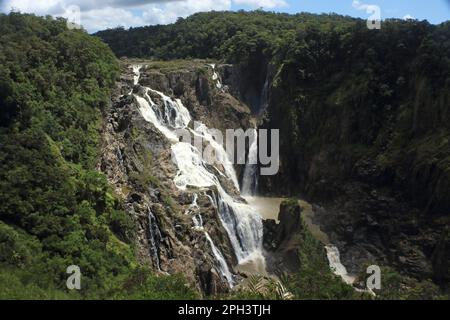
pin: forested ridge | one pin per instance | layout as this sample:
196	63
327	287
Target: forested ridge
56	210
231	36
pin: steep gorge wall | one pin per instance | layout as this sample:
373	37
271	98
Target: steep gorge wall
379	173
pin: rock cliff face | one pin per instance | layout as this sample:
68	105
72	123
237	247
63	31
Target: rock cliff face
136	157
382	199
375	205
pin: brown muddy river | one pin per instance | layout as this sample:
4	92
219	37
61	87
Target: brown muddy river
269	208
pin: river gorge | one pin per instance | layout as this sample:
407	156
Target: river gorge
225	217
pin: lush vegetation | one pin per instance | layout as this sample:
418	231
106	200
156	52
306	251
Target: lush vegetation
370	107
233	36
56	210
371	96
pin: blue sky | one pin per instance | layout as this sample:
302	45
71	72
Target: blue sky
97	15
435	11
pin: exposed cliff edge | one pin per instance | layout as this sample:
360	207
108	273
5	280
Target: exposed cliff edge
415	247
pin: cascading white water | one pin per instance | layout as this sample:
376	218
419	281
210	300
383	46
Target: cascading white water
175	115
223	266
137	73
242	223
148	113
250	178
203	132
215	77
339	269
336	266
197	219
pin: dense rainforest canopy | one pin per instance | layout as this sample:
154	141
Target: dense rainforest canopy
219	35
56	210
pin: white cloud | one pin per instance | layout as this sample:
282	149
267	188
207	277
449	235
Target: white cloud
50	6
266	4
39	7
360	6
170	12
100	19
408	17
98	15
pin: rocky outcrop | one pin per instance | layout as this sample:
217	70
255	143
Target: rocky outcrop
283	240
290	222
137	161
217	108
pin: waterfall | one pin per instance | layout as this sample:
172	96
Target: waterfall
223	267
194	206
149	114
264	99
339	269
202	131
250	178
137	73
242	223
336	266
216	77
154	237
197	220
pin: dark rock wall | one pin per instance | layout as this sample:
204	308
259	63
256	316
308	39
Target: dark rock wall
383	189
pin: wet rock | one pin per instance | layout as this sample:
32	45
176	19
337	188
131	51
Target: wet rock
134	197
210	281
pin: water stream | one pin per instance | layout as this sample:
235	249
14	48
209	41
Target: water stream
336	266
250	178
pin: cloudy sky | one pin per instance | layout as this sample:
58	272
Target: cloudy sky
97	15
